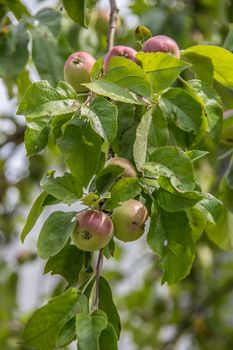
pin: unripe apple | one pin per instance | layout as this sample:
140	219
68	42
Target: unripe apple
128	220
123	51
129	170
161	43
227	129
77	70
93	231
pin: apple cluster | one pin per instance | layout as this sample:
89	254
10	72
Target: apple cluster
95	228
78	67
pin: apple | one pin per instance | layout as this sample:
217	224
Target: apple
100	19
77	70
129	170
123	51
93	231
227	128
161	43
128	220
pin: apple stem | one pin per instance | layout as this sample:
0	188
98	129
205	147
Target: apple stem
97	279
112	24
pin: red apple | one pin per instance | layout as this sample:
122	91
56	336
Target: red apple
77	70
161	43
128	220
123	51
93	231
129	170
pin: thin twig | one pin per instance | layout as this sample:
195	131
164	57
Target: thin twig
113	18
112	24
97	279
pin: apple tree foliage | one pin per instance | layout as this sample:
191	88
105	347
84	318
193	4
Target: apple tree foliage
163	114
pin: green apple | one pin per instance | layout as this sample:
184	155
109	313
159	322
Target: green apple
77	70
161	43
100	20
128	220
227	128
129	170
93	231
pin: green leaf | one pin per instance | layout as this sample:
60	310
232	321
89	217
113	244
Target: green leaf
212	106
34	214
161	68
229	174
196	154
228	43
97	69
66	188
108	336
121	191
222	61
151	132
222	233
107	177
109	250
23	82
103	118
113	91
11	43
46	55
90	199
129	117
178	163
82	149
158	132
226	192
197	221
202	66
17	7
76	10
55	233
204	214
89	328
67	263
183	110
171	199
140	144
142	33
43	100
170	237
127	74
67	334
50	18
59	123
45	324
36	135
106	303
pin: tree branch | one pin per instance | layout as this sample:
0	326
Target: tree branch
97	279
112	24
113	18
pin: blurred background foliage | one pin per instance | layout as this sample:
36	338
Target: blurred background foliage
197	313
